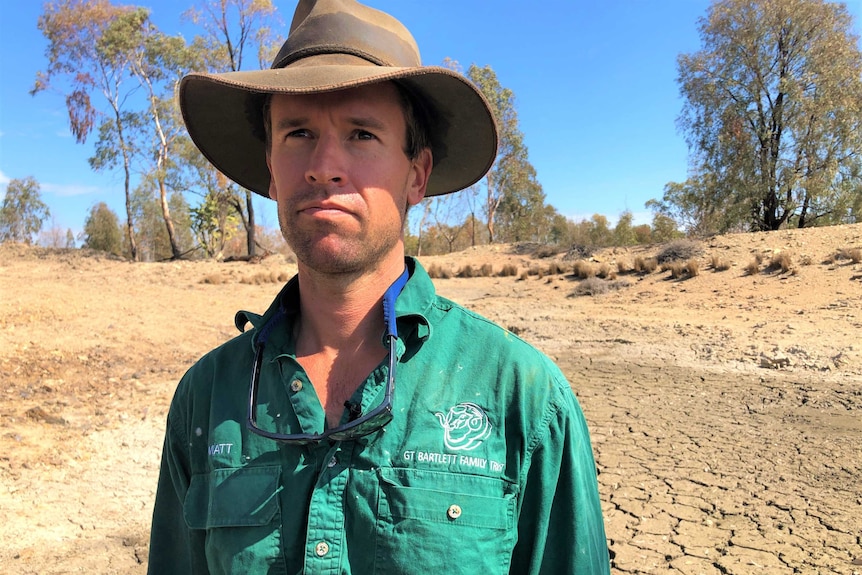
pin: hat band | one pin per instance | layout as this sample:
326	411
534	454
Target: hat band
326	50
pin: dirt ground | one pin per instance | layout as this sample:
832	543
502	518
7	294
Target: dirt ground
724	408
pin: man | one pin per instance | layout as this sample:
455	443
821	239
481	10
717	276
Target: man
365	425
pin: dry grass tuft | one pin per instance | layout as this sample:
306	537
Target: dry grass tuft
556	268
781	261
545	251
753	267
603	271
466	271
624	267
677	269
262	278
645	265
852	254
509	270
486	270
214	279
583	269
595	286
719	264
436	271
692	268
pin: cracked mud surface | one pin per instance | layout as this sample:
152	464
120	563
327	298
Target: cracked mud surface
724	409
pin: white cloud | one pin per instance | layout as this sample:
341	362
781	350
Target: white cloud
69	190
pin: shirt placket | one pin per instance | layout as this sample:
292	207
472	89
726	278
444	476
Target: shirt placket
325	536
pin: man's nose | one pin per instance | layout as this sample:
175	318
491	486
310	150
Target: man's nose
326	164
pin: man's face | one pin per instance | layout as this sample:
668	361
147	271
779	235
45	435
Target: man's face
341	177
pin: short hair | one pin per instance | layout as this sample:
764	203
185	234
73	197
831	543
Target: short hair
416	119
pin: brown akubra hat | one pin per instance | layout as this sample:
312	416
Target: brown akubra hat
334	45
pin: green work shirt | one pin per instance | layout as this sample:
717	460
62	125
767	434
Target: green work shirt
486	466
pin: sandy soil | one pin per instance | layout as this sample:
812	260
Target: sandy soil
724	408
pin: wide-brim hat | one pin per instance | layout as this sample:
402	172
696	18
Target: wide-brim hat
335	45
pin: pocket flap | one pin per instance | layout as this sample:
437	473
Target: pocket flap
232	497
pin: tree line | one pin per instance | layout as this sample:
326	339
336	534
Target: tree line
772	115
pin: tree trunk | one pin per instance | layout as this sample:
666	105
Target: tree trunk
169	222
250	231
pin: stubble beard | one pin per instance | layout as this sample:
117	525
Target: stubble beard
332	251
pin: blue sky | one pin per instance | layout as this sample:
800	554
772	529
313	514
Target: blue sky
594	84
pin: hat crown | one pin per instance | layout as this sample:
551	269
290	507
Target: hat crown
347	27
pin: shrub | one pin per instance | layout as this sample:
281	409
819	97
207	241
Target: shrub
604	271
486	271
852	254
545	251
679	250
556	268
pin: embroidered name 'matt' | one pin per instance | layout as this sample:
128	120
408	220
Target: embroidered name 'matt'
466	426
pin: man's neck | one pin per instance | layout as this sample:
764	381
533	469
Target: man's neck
342	312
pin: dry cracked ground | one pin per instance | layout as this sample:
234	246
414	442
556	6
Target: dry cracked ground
724	408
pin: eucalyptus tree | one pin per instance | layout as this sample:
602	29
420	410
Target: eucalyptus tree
231	30
773	112
512	175
22	212
81	68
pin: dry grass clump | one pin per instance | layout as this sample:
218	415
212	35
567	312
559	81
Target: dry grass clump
436	271
583	269
603	271
466	271
262	278
486	270
215	279
781	261
676	269
624	267
508	270
595	286
692	268
555	269
852	254
679	250
645	265
753	267
718	263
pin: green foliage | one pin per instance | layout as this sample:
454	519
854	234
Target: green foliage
214	221
773	104
23	212
102	230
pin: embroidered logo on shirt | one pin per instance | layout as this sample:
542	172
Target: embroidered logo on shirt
466	426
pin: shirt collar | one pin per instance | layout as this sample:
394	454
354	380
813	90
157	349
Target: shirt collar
411	308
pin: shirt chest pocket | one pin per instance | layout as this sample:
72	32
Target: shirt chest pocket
431	522
239	510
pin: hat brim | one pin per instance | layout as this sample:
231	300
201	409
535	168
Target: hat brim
222	113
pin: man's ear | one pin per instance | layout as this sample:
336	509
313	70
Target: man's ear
273	193
421	171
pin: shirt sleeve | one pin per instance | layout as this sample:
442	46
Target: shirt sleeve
560	526
174	548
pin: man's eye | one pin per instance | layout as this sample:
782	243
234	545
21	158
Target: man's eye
301	133
363	135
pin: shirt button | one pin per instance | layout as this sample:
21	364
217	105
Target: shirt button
321	549
332	462
454	511
296	385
